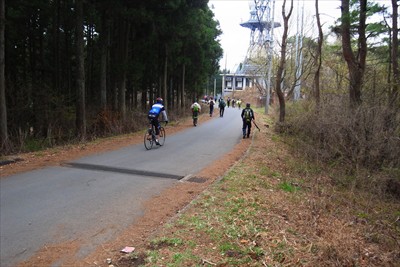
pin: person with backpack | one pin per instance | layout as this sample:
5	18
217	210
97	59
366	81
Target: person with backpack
239	102
221	106
211	103
155	111
247	117
196	109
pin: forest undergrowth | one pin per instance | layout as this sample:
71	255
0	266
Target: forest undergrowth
100	125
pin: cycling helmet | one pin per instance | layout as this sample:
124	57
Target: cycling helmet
159	100
247	105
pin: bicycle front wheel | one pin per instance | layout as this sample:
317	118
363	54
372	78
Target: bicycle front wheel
162	136
148	140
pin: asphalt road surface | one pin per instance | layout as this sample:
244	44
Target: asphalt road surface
94	198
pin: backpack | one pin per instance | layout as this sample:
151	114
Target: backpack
247	114
195	108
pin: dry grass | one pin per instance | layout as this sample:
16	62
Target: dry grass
274	208
367	136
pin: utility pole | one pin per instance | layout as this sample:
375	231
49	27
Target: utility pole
299	53
223	78
269	58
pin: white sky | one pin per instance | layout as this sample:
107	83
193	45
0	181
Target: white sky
235	38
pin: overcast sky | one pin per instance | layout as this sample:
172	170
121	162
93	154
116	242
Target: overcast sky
235	38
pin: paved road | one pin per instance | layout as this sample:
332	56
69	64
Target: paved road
96	197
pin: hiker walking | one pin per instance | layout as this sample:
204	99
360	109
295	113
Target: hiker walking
212	103
221	106
239	103
247	117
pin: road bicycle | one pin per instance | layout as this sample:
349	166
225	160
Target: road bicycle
150	136
195	115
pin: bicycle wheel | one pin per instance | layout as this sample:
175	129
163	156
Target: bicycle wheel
148	139
161	140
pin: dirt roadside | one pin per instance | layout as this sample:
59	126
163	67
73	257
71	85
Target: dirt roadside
159	210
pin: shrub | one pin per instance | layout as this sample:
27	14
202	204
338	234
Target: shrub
367	136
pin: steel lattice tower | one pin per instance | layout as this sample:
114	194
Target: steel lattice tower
260	26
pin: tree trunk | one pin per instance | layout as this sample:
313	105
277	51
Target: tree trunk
394	97
67	55
104	39
3	107
56	46
183	86
80	79
165	80
355	66
124	35
135	98
318	57
282	62
171	93
90	91
144	95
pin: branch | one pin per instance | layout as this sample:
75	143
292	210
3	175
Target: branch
209	262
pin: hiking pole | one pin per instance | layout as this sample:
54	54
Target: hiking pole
256	125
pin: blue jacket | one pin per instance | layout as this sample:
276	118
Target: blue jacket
155	111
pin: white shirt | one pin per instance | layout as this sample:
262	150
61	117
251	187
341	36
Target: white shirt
195	104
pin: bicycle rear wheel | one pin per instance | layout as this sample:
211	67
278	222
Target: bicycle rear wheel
148	139
161	140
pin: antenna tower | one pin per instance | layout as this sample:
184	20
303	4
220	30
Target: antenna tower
260	26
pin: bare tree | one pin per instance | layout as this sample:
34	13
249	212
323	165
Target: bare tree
307	66
3	107
318	57
355	64
80	80
282	62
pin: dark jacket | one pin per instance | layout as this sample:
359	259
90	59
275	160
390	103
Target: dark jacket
250	116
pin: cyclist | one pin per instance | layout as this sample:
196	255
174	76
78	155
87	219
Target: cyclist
196	109
154	113
247	117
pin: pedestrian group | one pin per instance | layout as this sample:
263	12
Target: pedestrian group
247	114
